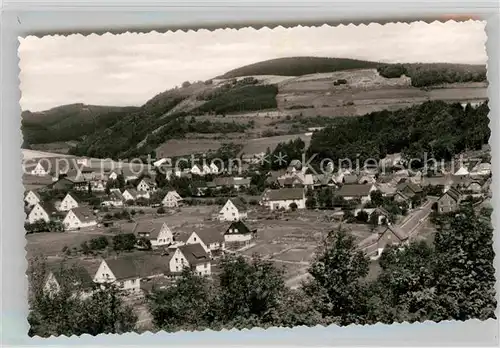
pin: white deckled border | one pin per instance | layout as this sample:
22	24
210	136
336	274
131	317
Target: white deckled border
14	305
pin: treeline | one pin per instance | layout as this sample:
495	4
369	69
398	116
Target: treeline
435	127
239	99
451	279
424	75
69	122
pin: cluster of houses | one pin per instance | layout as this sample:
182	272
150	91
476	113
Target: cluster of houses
286	190
132	272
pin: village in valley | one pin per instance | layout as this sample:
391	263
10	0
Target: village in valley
134	229
296	191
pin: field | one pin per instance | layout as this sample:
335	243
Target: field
365	92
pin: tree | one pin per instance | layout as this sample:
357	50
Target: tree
250	292
181	307
124	242
144	243
293	206
98	243
465	274
377	198
67	312
311	202
362	216
160	210
336	288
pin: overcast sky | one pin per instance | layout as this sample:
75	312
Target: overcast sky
129	69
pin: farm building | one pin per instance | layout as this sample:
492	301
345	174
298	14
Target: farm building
285	198
357	191
238	233
391	235
449	201
193	256
211	239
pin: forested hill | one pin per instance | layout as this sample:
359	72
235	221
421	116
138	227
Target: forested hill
435	127
68	122
422	74
297	66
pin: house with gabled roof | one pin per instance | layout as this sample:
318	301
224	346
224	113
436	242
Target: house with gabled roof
284	198
133	195
44	211
383	216
192	256
80	217
69	202
357	191
239	233
172	199
409	189
386	189
114	199
211	239
462	171
449	201
233	210
31	198
146	185
76	277
391	235
196	170
158	233
122	271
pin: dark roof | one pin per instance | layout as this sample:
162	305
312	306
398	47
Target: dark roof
354	190
405	197
453	193
123	267
210	235
238	203
238	227
194	253
350	179
153	228
83	214
413	187
73	272
382	211
397	231
242	181
115	196
37	179
285	194
49	207
139	265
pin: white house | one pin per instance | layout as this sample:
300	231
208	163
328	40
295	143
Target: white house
80	217
193	256
113	175
238	232
206	169
132	195
146	185
213	168
120	271
41	211
462	171
195	169
68	203
157	233
211	240
171	200
98	185
40	169
233	210
284	198
114	199
32	198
